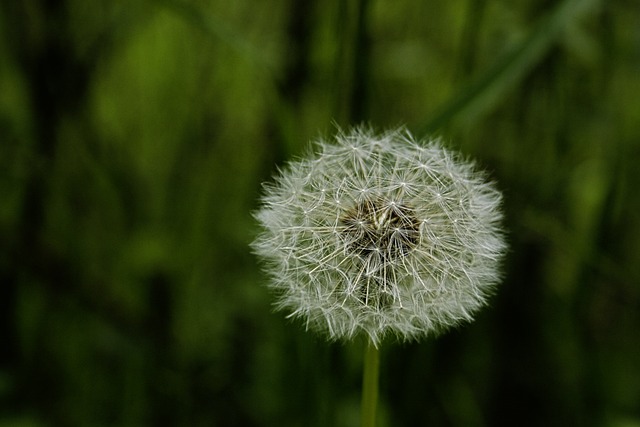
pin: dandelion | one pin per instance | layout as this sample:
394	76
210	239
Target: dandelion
381	235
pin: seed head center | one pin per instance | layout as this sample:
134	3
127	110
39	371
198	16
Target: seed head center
380	228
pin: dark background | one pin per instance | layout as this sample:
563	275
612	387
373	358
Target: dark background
134	137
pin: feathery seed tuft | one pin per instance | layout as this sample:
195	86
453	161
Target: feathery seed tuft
381	235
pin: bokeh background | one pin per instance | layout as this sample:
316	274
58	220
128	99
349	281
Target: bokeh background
134	138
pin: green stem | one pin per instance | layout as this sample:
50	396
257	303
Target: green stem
370	385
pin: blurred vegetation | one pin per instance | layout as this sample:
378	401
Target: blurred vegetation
134	137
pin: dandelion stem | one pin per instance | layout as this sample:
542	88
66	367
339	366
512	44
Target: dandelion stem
370	385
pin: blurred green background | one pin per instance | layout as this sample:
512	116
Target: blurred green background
134	137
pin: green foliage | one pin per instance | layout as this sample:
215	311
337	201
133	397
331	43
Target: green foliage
134	137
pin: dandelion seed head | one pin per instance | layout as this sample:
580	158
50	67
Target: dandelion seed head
381	235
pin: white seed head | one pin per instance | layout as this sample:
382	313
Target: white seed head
381	234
